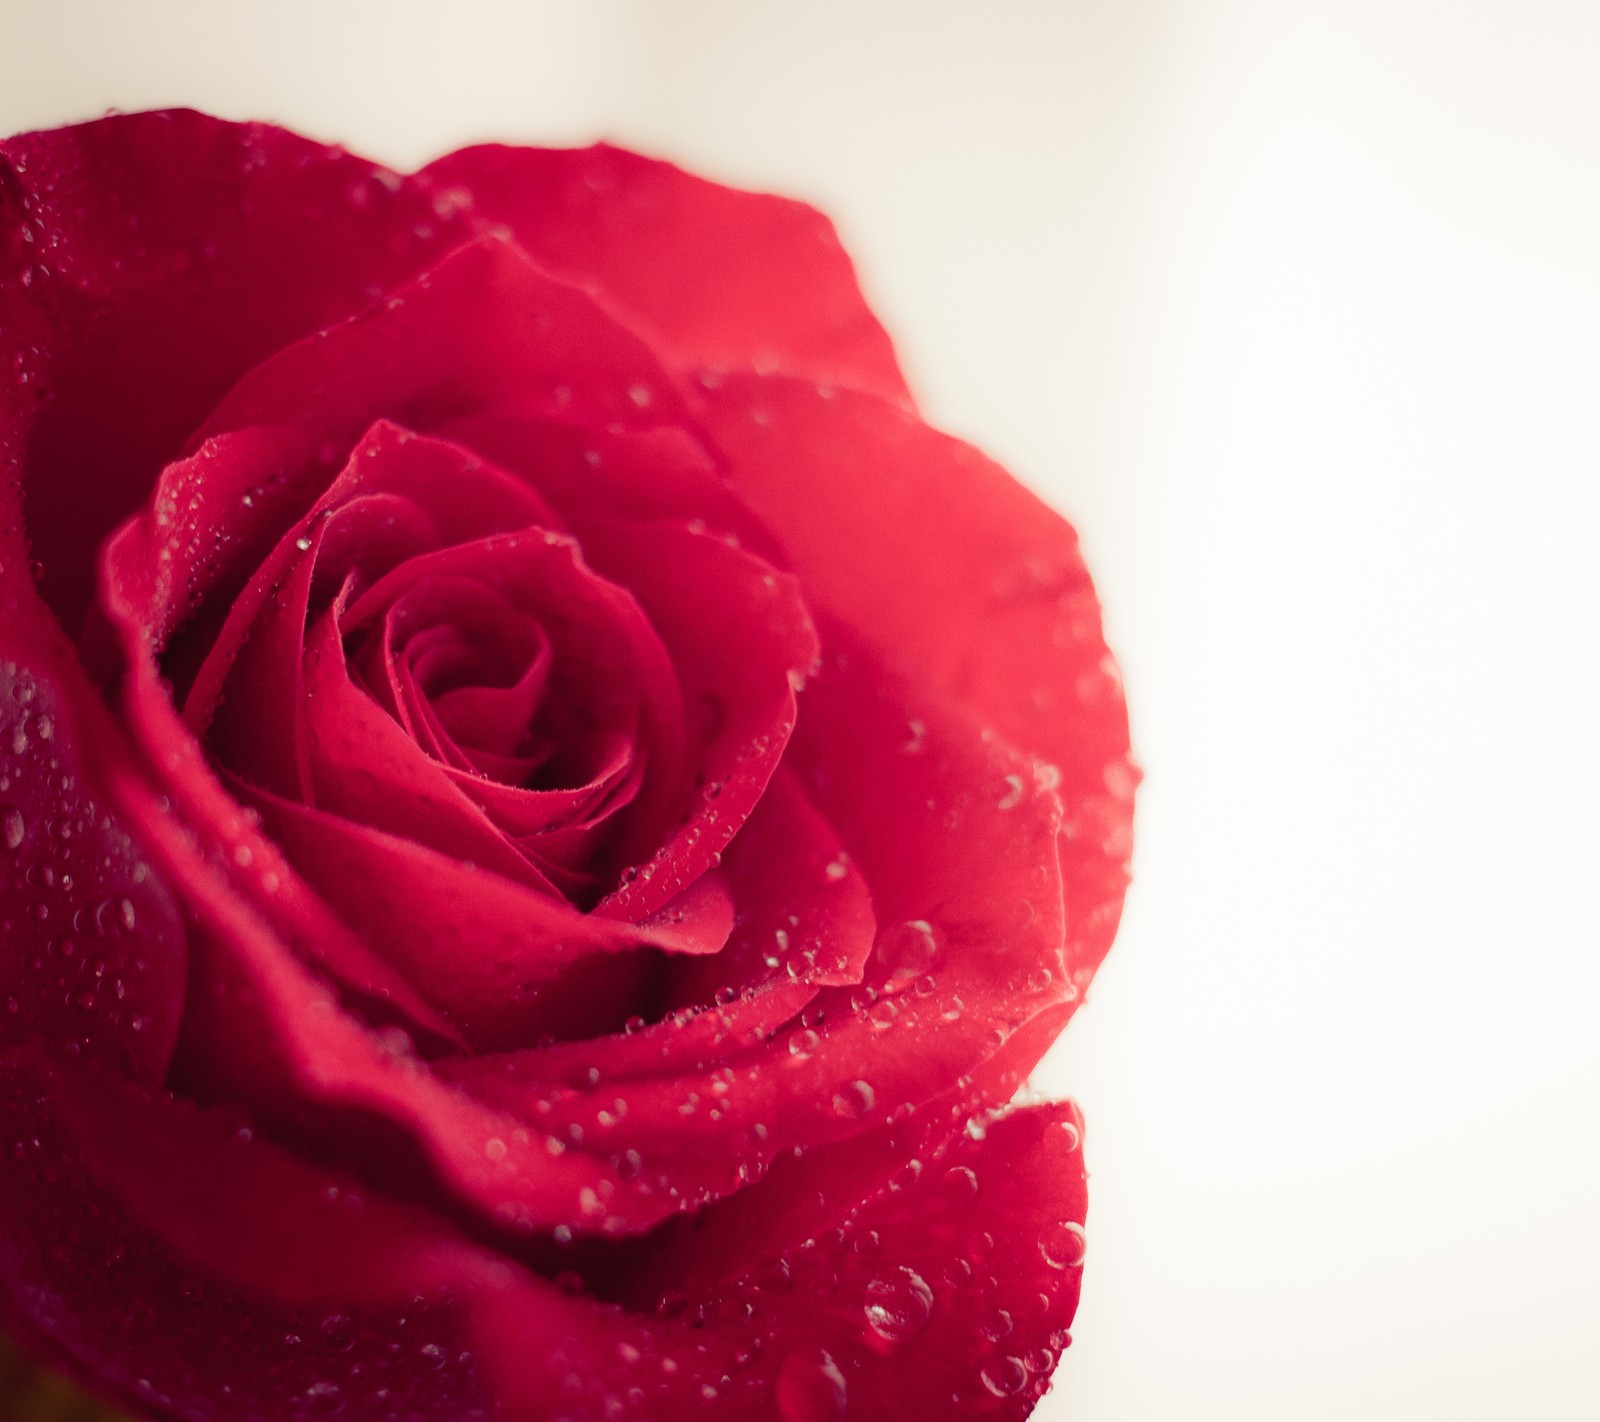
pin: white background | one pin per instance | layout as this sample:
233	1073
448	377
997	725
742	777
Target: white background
1294	308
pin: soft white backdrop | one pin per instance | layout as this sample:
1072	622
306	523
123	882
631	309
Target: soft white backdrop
1294	308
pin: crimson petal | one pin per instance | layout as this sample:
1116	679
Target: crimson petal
166	254
716	276
192	1272
949	1291
261	1030
804	911
92	944
485	329
957	571
990	951
740	640
504	962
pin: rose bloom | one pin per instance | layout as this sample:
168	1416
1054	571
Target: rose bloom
544	814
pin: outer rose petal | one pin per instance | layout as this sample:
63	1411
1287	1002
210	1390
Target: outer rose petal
713	275
92	946
952	569
151	260
484	329
192	1272
947	1294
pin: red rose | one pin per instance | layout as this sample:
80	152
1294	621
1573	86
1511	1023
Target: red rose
545	814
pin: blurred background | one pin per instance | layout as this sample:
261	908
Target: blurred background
1294	309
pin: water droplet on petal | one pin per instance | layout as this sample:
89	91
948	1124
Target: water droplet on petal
803	1043
1004	1376
898	1305
960	1183
854	1099
907	950
996	1324
12	827
324	1396
883	1013
810	1387
1063	1245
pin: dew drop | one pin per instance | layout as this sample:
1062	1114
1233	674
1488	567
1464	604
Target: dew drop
338	1331
907	950
898	1305
1063	1245
996	1324
854	1099
12	827
883	1013
810	1387
324	1396
803	1043
960	1183
1004	1376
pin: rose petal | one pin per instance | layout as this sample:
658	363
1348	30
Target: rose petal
740	640
955	570
609	670
190	1273
685	1042
505	963
934	1297
716	276
364	767
92	945
700	918
427	492
485	329
170	252
957	858
804	911
648	476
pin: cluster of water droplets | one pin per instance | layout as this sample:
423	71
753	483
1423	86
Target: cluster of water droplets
73	955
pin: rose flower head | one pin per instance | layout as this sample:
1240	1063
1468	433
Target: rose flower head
544	814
